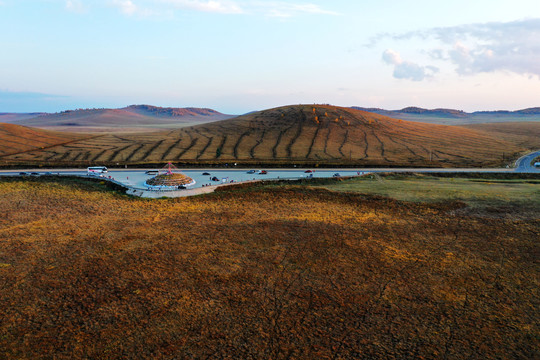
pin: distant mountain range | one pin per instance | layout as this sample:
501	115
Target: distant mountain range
130	118
144	118
456	117
6	117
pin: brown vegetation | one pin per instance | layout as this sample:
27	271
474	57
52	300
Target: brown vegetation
19	139
294	134
524	134
266	273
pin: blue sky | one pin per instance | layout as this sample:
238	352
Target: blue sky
241	55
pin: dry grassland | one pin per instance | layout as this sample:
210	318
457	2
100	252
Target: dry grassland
525	134
15	139
260	273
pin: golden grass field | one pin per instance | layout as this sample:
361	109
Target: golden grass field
298	134
264	272
20	139
525	134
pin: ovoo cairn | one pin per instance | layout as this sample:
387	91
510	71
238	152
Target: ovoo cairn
170	178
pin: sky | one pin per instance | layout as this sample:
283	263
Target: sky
237	56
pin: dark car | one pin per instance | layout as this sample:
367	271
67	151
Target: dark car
23	173
34	174
215	179
206	173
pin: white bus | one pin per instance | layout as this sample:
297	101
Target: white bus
96	170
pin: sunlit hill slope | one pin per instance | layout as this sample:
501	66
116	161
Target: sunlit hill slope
16	139
294	134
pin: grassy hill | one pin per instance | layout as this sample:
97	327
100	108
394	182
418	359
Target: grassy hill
168	112
134	118
457	117
17	117
302	134
526	134
19	139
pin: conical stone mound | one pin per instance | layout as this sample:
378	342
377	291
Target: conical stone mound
174	179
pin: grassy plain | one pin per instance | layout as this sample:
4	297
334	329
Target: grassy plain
262	272
483	193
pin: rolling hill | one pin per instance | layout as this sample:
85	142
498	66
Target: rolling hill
300	134
457	117
17	117
169	112
134	118
524	134
16	139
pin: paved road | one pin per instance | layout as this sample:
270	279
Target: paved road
523	164
133	178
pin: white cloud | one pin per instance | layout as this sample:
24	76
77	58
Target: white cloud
76	6
217	6
285	10
406	69
253	7
484	48
126	7
392	57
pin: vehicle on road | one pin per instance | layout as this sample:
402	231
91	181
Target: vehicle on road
151	172
96	170
251	172
263	172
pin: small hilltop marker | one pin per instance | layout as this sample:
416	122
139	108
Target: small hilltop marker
169	178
